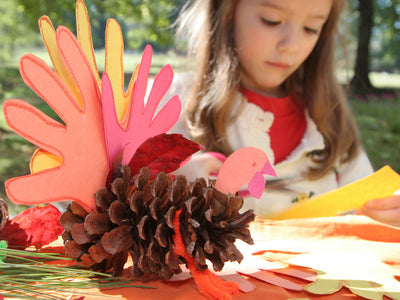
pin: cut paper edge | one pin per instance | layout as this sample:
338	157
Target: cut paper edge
49	38
256	185
380	184
43	160
291	271
84	36
114	67
271	278
268	169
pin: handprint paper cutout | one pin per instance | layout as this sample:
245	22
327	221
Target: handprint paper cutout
141	124
80	142
114	47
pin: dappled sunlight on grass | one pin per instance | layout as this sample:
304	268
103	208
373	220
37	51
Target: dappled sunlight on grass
379	124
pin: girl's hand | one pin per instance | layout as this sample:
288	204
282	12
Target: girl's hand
202	165
385	210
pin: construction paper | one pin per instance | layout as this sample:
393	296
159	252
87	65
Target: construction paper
114	67
49	38
382	183
142	123
114	47
241	168
43	160
256	185
84	35
271	278
80	142
309	276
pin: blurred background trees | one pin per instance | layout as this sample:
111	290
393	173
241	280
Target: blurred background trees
378	39
372	29
143	21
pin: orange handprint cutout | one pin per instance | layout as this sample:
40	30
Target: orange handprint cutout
114	48
141	122
80	142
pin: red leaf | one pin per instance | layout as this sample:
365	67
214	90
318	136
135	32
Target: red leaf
36	226
163	153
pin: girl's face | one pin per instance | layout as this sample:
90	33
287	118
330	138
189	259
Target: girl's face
274	37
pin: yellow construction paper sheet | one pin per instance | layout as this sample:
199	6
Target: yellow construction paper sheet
380	184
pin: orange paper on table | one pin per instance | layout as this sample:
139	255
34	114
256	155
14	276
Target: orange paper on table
382	183
294	237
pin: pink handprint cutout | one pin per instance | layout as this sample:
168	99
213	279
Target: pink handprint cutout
142	124
80	142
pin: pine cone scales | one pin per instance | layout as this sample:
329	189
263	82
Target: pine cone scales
210	224
137	220
3	214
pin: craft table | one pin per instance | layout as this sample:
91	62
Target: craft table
348	235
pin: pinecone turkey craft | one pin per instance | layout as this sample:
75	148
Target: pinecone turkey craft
112	158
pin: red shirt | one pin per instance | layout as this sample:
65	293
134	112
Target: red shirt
289	122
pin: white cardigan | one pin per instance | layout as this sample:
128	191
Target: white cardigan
251	129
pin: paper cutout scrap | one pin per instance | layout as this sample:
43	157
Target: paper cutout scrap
382	183
360	272
80	142
271	278
309	276
244	166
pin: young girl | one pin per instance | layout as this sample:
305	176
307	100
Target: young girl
264	77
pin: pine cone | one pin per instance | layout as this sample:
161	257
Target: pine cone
137	219
3	214
210	223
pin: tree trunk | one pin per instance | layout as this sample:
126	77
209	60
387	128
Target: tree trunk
360	82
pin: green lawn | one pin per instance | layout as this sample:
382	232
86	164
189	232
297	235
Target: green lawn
379	124
377	118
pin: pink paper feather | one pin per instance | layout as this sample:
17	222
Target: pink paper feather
256	185
142	124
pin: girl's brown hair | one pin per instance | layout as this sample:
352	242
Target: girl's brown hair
217	76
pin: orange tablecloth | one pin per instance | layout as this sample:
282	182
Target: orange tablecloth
351	233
